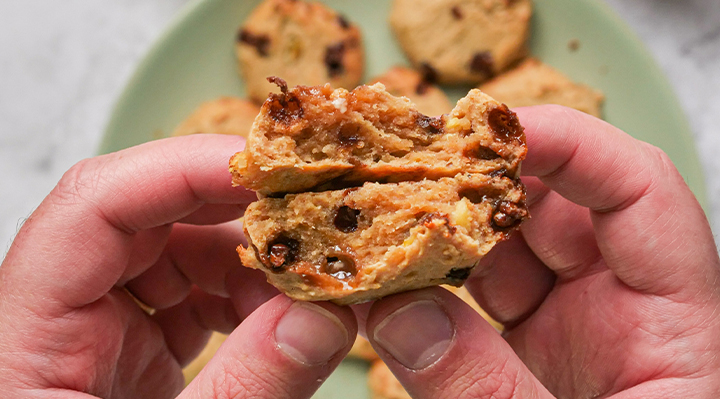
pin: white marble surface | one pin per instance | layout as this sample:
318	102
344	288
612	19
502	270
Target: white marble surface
63	63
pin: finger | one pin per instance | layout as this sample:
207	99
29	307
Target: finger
650	229
188	325
510	282
200	255
560	233
86	226
439	347
285	349
211	214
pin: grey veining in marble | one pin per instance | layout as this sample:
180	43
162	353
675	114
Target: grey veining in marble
63	64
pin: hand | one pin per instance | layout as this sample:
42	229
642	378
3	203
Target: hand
151	220
612	289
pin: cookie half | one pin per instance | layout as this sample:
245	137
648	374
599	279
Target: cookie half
355	245
226	115
304	42
317	139
535	83
462	41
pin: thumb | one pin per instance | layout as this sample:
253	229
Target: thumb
439	347
284	349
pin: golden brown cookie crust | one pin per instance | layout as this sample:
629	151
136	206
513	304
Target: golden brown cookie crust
306	43
535	83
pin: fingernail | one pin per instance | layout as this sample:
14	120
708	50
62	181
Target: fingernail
310	334
416	335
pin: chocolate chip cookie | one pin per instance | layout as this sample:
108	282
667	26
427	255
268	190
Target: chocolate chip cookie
359	244
226	115
362	196
317	139
304	42
462	41
535	83
418	86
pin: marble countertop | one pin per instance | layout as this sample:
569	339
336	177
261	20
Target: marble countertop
63	64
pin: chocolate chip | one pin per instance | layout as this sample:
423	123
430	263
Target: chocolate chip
346	219
280	82
482	63
422	87
432	125
428	73
457	12
282	252
285	107
505	124
459	274
508	215
481	152
499	173
260	42
341	266
473	195
348	135
334	59
343	21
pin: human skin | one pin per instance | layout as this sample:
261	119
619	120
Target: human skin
610	289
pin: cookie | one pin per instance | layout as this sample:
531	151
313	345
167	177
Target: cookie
305	43
317	138
383	384
226	115
359	244
535	83
418	87
462	41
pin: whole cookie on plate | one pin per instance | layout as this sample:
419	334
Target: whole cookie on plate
304	42
418	87
463	41
226	115
535	83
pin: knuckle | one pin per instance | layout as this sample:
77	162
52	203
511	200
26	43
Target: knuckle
485	381
241	381
79	182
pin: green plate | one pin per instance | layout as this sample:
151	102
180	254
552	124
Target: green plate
194	62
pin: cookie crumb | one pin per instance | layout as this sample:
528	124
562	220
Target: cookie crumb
574	45
280	82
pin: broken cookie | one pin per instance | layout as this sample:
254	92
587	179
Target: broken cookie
362	196
360	244
317	138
